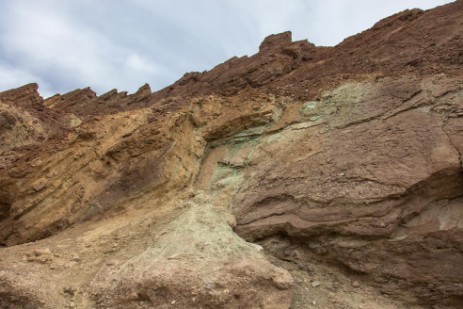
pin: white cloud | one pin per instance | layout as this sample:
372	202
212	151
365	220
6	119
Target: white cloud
12	78
108	44
138	64
52	44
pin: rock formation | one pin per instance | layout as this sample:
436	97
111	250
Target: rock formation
302	176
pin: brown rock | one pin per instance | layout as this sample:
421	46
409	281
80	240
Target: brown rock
348	156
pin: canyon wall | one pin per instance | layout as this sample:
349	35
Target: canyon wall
208	193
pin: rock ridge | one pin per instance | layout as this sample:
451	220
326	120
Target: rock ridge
298	177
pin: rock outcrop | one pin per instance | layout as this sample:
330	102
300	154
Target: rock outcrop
345	158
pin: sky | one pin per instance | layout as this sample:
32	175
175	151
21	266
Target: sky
67	44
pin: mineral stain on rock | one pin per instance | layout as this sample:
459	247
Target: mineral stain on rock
299	177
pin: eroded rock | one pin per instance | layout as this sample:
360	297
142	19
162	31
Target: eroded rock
348	156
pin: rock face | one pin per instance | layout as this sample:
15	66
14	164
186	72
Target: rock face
199	195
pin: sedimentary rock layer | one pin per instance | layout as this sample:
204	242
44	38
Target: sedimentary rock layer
349	156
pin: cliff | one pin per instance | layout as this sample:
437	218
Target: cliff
302	176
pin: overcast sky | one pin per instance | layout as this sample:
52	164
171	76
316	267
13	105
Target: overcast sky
106	44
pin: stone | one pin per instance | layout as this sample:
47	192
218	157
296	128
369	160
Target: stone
40	252
39	185
315	284
69	290
347	157
76	258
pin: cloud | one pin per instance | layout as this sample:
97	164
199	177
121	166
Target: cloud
54	45
108	44
11	77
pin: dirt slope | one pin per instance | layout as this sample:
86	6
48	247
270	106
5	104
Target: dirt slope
299	177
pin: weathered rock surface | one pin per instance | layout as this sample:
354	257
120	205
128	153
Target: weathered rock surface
346	158
196	262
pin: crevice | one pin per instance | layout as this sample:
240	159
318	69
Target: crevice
403	109
453	145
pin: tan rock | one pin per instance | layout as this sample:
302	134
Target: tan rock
349	156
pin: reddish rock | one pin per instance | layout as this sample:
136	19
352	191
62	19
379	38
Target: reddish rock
348	156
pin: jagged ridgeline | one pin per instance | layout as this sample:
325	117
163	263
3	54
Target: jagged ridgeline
299	177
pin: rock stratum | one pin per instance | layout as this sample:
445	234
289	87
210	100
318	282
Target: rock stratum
299	177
